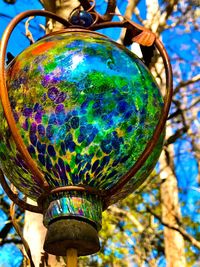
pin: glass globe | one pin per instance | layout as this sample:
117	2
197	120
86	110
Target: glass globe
85	107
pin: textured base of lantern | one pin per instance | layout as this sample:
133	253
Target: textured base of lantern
79	205
73	220
64	234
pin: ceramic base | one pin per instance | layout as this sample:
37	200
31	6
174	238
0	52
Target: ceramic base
63	234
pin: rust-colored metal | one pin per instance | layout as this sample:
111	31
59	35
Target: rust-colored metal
137	34
145	38
14	197
79	188
110	10
92	7
148	36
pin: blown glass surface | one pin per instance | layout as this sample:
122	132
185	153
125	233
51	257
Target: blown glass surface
85	107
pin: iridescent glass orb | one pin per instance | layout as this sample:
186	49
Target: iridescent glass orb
85	107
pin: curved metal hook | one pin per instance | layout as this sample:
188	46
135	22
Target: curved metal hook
109	10
14	197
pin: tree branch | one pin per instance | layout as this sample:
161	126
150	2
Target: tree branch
28	32
185	83
11	241
128	15
178	228
135	222
4	231
172	139
172	4
17	228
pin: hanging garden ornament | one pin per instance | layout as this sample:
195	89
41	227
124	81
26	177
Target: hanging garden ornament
82	124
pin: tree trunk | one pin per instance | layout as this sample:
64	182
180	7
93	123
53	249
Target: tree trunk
62	8
34	233
173	240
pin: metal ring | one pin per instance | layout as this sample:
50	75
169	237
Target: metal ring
92	6
102	18
79	188
14	197
110	9
82	188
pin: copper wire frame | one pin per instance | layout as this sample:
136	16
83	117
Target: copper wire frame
140	35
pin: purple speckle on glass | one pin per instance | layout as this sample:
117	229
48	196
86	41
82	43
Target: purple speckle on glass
25	125
49	131
80	211
41	130
52	119
27	112
59	108
61	98
37	107
53	93
23	80
44	97
33	139
38	117
46	80
49	79
33	127
16	117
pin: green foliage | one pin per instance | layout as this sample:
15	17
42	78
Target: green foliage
131	234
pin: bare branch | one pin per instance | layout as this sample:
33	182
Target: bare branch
128	15
28	33
49	5
178	228
18	230
185	83
128	214
172	139
172	5
4	232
